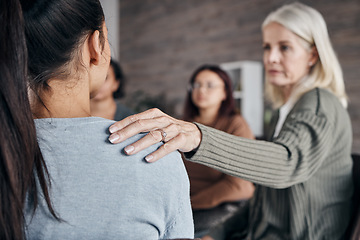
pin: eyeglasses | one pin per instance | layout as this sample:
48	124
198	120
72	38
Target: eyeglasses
207	86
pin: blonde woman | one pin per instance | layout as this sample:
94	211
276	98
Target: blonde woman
303	173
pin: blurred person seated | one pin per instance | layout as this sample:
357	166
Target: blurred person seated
215	196
106	102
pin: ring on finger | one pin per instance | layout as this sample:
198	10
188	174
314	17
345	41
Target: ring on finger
163	135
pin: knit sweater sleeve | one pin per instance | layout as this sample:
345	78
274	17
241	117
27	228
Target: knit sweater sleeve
292	158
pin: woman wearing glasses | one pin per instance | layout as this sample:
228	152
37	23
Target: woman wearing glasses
215	196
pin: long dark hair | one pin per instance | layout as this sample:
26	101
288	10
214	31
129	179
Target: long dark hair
227	107
54	31
21	162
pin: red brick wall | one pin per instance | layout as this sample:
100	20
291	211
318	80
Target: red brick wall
163	41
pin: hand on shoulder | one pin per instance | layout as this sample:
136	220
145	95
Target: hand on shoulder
176	134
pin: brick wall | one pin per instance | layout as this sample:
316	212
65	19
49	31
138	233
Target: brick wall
163	41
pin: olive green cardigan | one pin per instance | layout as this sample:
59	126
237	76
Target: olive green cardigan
303	176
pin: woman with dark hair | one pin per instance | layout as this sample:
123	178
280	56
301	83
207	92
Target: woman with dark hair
21	162
96	194
105	104
215	196
225	106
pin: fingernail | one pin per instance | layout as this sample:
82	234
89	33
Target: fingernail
113	138
129	149
113	129
148	158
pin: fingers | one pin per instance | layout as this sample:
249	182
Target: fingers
155	137
145	142
165	149
176	139
176	134
169	132
149	139
138	126
149	114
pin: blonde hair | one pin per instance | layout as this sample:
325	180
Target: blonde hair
309	25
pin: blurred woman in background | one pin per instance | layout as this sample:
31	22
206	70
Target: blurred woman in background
215	196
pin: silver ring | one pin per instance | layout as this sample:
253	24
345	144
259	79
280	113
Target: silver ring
163	135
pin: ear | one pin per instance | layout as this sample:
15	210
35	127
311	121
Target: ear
314	56
95	48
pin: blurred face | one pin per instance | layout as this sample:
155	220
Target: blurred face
208	90
286	60
109	87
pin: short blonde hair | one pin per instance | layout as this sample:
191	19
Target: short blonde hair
309	25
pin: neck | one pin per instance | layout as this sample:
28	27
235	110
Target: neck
287	92
103	108
64	99
299	86
207	116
